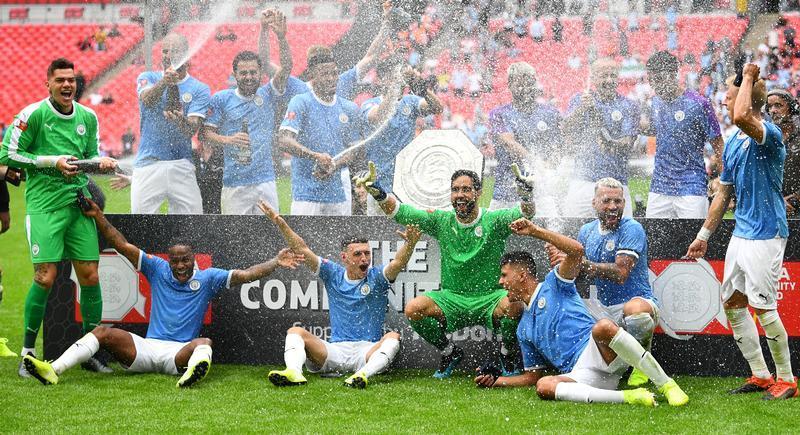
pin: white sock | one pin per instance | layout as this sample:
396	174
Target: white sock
200	353
582	393
778	343
635	355
746	336
382	357
79	352
294	352
28	350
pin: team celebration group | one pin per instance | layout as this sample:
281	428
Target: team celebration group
550	341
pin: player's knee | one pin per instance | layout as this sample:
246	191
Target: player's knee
415	310
604	330
737	300
636	306
201	341
102	333
393	335
546	388
45	277
297	331
90	278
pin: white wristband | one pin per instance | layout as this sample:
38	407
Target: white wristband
48	161
704	234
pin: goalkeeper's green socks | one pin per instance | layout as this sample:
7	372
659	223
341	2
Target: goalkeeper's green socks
35	304
431	330
91	307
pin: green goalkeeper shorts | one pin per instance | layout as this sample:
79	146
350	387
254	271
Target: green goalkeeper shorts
462	310
63	234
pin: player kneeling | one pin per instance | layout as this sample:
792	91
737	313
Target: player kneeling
181	295
557	331
358	299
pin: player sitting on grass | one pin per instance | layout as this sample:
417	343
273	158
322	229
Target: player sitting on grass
556	331
358	297
471	240
180	298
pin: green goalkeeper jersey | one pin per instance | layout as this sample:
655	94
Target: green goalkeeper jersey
38	134
470	252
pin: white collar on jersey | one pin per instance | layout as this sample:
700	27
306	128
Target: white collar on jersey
529	304
331	104
238	94
59	114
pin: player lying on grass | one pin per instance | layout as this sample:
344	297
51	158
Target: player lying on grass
556	331
180	298
358	297
471	240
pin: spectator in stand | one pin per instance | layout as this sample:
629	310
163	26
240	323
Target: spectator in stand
682	122
80	85
520	24
604	126
128	139
537	29
100	36
558	30
85	44
458	81
172	105
114	32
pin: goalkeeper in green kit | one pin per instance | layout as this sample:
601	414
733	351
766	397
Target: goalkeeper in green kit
44	138
471	241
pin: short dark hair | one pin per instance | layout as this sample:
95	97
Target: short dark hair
349	240
245	56
476	180
521	258
662	61
60	63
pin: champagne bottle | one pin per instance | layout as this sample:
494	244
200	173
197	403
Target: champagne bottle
173	99
244	156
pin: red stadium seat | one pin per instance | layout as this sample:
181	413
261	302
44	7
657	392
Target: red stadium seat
246	11
19	14
129	12
303	11
73	13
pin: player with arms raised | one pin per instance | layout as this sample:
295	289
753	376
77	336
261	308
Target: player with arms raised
44	138
180	298
556	331
753	169
471	241
358	297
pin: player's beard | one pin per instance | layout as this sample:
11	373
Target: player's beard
463	208
610	219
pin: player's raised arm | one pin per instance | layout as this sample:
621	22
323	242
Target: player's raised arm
570	266
267	17
411	236
377	46
281	76
295	242
743	115
285	258
111	234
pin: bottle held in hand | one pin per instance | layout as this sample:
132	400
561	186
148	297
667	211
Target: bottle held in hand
245	154
173	99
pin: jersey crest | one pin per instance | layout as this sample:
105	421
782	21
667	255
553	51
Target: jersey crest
616	115
81	129
194	285
479	231
610	245
365	289
541	302
680	116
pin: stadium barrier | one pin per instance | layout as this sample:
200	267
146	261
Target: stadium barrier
248	323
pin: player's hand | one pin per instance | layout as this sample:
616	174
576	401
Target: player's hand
94	211
485	381
554	255
411	235
278	24
268	211
586	102
107	164
267	17
324	167
387	10
66	168
288	259
5	221
525	183
751	71
697	249
368	180
175	116
120	181
787	200
241	140
524	227
171	77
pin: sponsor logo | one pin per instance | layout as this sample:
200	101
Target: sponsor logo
365	289
22	125
616	116
49	126
680	116
194	285
291	115
186	97
343	118
81	129
479	231
541	302
541	126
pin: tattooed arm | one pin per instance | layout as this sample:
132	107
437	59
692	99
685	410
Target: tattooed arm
112	235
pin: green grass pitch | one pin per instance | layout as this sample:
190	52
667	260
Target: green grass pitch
237	399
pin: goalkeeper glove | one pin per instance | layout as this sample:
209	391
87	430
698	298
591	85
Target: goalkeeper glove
489	368
368	179
524	182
